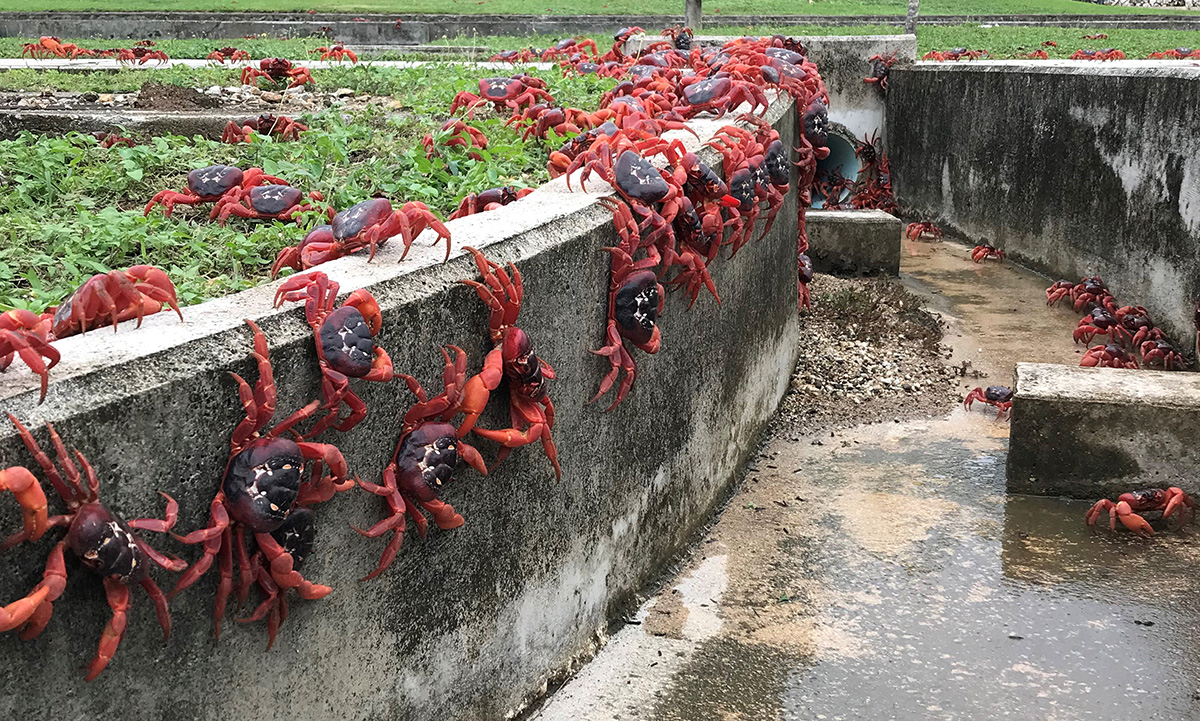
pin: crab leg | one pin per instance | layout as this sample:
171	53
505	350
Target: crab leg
28	492
118	601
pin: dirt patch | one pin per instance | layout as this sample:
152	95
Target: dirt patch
156	96
869	352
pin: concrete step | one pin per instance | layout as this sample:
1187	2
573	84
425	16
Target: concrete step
859	242
1098	432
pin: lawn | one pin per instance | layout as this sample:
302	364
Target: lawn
605	7
70	208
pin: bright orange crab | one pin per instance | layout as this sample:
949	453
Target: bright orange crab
1127	506
512	356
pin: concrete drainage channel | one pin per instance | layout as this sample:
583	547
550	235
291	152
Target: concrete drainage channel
483	619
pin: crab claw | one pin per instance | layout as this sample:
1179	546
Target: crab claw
24	485
1123	512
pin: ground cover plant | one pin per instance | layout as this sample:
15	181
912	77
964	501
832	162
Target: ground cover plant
69	209
609	7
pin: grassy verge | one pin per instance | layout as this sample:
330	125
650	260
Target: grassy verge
69	209
608	7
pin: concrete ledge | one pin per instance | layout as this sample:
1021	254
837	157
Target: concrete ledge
471	623
861	242
1096	432
150	122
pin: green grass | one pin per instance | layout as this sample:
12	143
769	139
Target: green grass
607	7
1000	42
69	209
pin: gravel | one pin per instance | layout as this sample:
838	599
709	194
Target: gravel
869	352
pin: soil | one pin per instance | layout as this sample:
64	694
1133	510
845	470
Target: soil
156	96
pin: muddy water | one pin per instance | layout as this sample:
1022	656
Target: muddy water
883	573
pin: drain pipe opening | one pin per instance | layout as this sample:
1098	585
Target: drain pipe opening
841	159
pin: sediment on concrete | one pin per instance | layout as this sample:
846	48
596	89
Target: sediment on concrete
419	28
861	242
1073	168
469	623
1099	432
208	124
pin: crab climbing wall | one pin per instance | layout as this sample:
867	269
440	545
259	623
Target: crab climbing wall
1074	168
467	623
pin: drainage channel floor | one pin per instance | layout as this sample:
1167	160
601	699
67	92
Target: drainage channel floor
883	573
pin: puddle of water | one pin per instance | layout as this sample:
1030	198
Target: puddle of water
1000	304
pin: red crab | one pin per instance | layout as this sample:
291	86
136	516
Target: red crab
512	93
720	93
1176	54
277	70
209	184
921	230
1089	292
262	487
455	132
365	225
1106	54
48	46
233	55
281	127
25	334
489	199
425	458
1108	356
635	300
1100	322
1097	36
998	396
336	53
1127	507
265	202
805	276
118	295
98	537
109	140
982	252
1161	353
512	357
880	65
141	55
345	340
1136	321
955	55
291	256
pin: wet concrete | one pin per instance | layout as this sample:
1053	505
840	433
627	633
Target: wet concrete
882	572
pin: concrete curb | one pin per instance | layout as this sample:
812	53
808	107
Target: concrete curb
470	623
415	29
1098	432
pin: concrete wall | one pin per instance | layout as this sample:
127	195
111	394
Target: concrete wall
423	28
1074	168
1098	432
470	623
863	242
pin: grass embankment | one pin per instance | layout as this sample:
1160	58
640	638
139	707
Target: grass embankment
608	7
70	209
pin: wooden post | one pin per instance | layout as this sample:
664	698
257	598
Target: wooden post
910	20
691	15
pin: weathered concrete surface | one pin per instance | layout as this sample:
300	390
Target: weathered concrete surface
1074	168
470	623
421	28
1096	432
865	242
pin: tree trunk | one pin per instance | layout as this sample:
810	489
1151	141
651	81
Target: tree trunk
691	15
910	21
